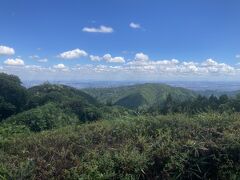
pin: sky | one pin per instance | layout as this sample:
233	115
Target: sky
120	40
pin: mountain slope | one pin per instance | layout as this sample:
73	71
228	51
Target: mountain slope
39	95
140	95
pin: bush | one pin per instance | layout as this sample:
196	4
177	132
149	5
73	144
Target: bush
144	147
83	111
42	118
6	109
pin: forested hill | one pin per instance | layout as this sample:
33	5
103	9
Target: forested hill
44	106
140	95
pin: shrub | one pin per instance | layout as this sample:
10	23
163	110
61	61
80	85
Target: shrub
144	147
44	117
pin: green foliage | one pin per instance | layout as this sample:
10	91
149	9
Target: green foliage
6	109
41	118
164	147
40	95
132	101
70	100
84	113
8	130
197	137
13	96
137	96
223	104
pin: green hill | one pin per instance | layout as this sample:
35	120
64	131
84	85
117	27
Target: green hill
17	101
141	95
39	95
70	100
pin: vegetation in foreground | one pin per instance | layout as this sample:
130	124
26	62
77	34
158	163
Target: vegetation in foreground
58	132
205	146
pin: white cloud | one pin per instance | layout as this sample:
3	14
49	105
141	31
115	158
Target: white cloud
38	59
135	25
4	50
73	54
59	66
166	62
141	67
141	57
95	58
101	29
213	66
14	62
209	62
34	68
174	67
110	59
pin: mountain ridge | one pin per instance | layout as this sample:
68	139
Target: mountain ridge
149	94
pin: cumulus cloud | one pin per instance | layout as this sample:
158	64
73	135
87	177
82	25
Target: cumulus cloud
59	66
141	57
135	25
209	62
4	50
214	67
73	54
95	58
101	29
140	67
176	68
14	62
110	59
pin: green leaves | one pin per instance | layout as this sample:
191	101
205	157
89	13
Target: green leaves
13	95
42	118
164	147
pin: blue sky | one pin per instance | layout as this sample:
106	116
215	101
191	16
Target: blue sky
120	39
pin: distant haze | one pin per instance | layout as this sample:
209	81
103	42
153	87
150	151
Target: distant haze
197	86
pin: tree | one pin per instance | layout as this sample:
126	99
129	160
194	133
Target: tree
213	102
6	109
168	105
223	99
42	118
85	112
13	95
